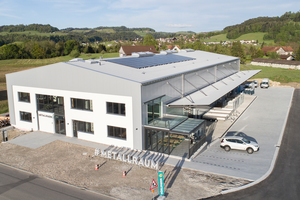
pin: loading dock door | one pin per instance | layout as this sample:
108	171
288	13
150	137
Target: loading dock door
46	122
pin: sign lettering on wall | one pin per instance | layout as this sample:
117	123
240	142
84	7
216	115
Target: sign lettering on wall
127	158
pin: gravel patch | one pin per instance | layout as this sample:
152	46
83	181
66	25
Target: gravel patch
75	164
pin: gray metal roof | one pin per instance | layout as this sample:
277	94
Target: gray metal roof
211	93
201	59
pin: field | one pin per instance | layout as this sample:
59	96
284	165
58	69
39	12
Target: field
249	36
142	33
275	74
15	65
98	30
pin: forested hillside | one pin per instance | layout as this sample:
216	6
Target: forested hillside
285	28
39	32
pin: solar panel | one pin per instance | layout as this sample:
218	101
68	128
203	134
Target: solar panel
142	62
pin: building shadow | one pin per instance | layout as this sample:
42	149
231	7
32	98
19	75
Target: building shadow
172	175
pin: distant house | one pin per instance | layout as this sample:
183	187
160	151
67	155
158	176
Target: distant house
173	47
280	50
128	50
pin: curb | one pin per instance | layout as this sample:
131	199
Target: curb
66	183
273	160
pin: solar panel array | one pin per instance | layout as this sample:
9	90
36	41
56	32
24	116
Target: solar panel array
142	62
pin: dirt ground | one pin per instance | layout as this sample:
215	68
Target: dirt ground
278	84
75	164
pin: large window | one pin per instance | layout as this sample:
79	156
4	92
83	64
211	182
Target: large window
116	132
25	116
115	108
23	96
86	127
82	104
50	103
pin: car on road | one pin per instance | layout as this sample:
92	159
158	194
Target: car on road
239	143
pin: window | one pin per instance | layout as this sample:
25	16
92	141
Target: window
50	103
82	104
115	108
86	127
25	97
25	116
116	132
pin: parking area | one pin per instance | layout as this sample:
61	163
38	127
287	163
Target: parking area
264	122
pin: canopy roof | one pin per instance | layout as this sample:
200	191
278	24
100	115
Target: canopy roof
213	92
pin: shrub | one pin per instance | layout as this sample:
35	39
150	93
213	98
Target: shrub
75	53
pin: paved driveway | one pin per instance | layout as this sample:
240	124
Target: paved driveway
264	122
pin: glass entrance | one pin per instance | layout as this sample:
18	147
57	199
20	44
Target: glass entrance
60	125
154	109
75	128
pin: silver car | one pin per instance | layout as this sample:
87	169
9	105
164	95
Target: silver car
239	143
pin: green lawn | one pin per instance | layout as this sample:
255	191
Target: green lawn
141	33
275	74
249	36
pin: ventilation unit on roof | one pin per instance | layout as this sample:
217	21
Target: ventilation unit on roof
142	54
76	59
91	61
168	52
187	50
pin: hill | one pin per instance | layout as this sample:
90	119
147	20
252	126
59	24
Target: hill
285	28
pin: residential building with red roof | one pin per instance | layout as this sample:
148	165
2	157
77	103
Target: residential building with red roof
128	50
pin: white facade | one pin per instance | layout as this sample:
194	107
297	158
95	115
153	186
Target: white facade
44	121
146	91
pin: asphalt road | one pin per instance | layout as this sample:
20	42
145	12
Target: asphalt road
16	184
284	181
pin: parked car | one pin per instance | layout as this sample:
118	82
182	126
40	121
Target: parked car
265	83
238	143
255	83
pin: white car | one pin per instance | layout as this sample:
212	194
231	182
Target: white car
239	143
255	83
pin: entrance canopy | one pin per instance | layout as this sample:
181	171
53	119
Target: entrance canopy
213	92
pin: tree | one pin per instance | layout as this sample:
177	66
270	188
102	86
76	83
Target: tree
272	55
60	48
298	54
253	52
75	53
38	52
149	40
238	51
260	53
69	46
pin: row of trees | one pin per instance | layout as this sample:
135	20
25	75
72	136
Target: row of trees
47	49
32	27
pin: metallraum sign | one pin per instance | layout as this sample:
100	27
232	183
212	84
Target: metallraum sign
127	158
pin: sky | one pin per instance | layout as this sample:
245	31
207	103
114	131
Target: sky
161	15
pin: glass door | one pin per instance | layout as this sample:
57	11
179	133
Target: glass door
75	129
60	125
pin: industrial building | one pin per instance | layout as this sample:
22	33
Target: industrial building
148	101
